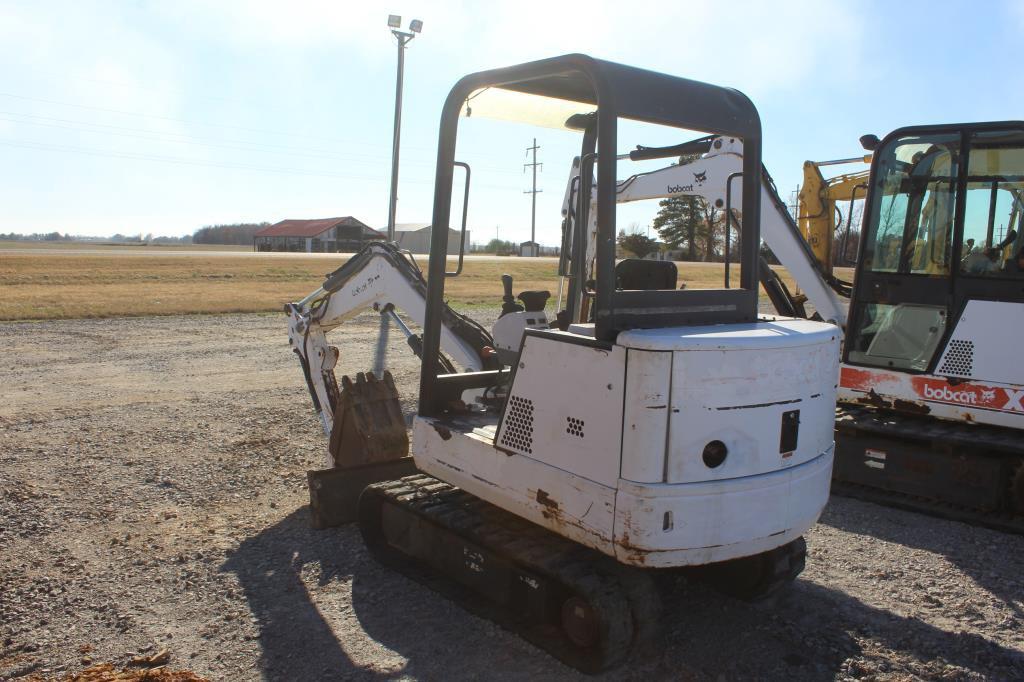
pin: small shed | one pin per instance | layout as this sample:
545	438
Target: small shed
529	248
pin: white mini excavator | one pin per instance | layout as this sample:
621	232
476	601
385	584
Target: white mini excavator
655	429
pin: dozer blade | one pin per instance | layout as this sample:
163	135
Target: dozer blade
369	443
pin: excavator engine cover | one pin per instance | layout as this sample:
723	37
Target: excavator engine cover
369	443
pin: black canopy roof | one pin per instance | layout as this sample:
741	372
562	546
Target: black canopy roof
631	92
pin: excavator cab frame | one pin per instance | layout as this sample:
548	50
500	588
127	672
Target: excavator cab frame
912	283
617	91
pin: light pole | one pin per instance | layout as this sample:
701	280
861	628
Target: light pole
415	26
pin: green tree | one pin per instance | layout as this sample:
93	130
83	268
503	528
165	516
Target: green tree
637	244
680	222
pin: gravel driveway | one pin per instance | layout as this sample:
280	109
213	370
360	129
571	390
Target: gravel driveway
152	496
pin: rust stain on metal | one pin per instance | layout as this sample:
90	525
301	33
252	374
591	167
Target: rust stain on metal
910	406
545	499
443	431
873	398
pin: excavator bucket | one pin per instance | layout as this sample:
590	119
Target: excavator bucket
369	443
368	423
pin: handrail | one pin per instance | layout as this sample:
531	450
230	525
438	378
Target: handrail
465	213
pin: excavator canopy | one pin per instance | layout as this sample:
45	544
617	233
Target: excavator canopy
616	91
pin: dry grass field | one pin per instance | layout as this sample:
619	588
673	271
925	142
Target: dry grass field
41	283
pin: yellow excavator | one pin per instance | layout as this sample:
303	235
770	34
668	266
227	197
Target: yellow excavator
819	216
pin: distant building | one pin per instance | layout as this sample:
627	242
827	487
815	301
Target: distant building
415	237
325	235
529	248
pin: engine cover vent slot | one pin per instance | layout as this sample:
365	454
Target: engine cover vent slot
959	359
574	427
518	427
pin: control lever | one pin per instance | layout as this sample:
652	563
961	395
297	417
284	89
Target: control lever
508	301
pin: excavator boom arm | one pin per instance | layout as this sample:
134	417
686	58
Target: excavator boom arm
381	278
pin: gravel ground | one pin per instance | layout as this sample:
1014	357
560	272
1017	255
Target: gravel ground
152	496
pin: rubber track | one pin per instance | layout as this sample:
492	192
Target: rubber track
625	597
1000	442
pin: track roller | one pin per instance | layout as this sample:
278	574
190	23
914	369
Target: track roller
575	603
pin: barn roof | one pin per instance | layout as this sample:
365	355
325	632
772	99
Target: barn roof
310	228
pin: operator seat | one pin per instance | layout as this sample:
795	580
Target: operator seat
645	275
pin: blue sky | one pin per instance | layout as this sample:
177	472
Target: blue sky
162	117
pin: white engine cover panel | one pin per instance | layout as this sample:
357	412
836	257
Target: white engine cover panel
984	343
701	523
565	406
572	506
737	384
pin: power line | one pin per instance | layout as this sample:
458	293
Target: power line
41	146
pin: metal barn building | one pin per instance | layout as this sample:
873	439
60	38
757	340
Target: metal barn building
325	235
415	237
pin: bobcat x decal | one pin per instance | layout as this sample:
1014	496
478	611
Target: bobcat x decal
699	178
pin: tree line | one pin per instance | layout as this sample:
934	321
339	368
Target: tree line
240	234
234	233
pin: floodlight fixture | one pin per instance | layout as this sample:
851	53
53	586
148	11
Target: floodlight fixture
416	26
395	20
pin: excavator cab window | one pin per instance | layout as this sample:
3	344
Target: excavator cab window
992	244
912	225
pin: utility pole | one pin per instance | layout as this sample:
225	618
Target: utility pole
533	192
395	22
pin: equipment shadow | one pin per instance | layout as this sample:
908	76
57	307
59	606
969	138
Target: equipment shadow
990	557
306	630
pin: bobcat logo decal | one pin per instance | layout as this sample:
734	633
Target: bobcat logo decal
699	178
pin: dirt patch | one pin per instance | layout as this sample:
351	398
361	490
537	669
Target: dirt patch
153	497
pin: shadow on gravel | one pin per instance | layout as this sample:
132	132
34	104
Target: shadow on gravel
838	612
297	642
981	553
811	633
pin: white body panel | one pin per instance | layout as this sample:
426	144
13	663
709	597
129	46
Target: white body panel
987	386
508	331
565	408
734	383
978	402
604	444
984	343
571	505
